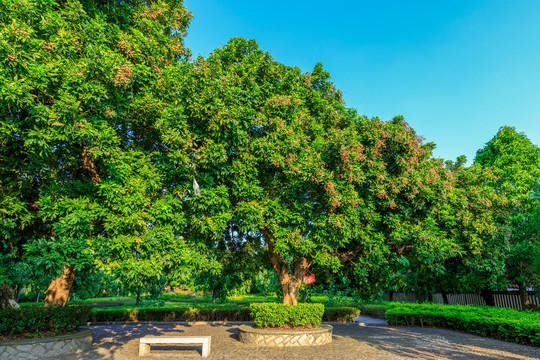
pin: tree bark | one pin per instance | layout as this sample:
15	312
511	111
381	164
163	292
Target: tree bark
444	297
214	296
487	295
524	296
290	281
90	166
57	293
59	289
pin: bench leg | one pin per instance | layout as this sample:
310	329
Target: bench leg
144	349
205	349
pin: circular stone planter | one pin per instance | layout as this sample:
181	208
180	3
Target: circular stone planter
46	347
281	338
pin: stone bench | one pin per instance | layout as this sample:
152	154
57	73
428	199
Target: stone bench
144	345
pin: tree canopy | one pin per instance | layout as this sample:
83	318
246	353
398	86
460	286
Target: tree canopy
516	163
119	153
84	172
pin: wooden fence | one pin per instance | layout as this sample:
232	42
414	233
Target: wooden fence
508	299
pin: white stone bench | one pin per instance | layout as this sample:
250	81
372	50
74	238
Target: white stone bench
144	345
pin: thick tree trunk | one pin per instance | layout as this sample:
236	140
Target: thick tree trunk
290	281
57	293
214	296
5	296
421	297
444	297
524	296
487	295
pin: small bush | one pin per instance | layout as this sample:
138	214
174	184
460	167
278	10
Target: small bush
341	314
278	315
34	320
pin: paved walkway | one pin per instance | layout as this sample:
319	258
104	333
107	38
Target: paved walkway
367	321
350	341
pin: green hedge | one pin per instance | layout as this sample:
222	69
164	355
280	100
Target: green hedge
341	314
218	313
170	314
374	310
32	321
277	315
500	323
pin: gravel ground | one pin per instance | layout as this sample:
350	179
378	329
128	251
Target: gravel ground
350	341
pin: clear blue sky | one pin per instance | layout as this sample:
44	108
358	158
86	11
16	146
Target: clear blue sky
457	70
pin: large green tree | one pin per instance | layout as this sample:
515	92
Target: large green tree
516	163
277	154
85	168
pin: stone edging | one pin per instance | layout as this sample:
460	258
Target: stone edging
27	349
284	338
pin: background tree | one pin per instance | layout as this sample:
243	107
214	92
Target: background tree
472	221
516	163
80	93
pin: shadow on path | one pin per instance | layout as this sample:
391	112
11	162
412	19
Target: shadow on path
350	341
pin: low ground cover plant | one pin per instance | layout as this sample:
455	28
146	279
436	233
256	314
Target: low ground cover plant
36	321
273	315
500	323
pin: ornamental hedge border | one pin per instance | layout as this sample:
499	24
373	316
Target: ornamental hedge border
170	314
175	313
500	323
32	321
341	314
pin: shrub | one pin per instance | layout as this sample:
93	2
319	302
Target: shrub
278	315
373	310
500	323
171	314
341	314
32	321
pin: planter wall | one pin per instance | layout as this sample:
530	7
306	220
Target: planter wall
281	338
28	349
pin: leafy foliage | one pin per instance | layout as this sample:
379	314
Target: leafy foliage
34	320
168	313
340	314
85	176
278	155
516	163
278	315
